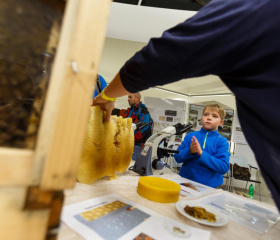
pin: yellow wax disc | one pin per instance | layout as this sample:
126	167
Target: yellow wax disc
158	189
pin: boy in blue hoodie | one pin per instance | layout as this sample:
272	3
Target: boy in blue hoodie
205	153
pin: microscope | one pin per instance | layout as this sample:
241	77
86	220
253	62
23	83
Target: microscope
149	157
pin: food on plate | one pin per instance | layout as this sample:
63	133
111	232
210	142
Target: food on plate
107	148
200	213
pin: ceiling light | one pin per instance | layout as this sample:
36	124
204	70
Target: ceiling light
215	94
195	95
169	91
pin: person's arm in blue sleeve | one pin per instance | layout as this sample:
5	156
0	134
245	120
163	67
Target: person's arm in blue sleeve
184	150
138	134
103	84
220	161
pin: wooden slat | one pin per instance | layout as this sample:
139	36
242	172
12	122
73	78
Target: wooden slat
16	223
55	212
34	119
65	115
38	199
16	166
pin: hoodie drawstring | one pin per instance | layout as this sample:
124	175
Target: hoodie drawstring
205	140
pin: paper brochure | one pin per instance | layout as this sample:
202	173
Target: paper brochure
193	189
111	217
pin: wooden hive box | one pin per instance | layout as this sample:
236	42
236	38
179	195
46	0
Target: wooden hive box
39	163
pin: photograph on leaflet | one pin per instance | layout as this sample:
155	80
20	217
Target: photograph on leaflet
112	217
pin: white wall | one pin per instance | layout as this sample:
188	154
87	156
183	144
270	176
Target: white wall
129	29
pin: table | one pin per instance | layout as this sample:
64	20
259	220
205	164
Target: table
126	186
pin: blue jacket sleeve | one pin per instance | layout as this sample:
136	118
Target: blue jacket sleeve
103	84
138	135
184	150
145	119
220	161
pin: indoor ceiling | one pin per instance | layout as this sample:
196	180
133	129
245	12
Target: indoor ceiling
129	29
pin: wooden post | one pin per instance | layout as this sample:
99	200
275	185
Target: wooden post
16	166
16	223
31	181
73	77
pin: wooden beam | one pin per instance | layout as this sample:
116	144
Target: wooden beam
73	77
16	223
36	199
38	103
16	166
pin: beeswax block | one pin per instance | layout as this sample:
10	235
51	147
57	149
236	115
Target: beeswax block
158	189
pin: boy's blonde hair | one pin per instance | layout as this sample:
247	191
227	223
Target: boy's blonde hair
216	108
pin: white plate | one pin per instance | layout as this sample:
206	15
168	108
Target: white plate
221	220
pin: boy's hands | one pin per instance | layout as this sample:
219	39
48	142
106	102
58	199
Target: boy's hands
195	147
192	147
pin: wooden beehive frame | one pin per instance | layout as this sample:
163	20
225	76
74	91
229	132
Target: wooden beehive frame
53	164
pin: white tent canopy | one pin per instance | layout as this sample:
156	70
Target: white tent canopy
129	29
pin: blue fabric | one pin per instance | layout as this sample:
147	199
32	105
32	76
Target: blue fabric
103	84
142	116
238	41
210	167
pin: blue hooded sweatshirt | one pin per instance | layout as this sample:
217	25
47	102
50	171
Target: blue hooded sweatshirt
210	167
